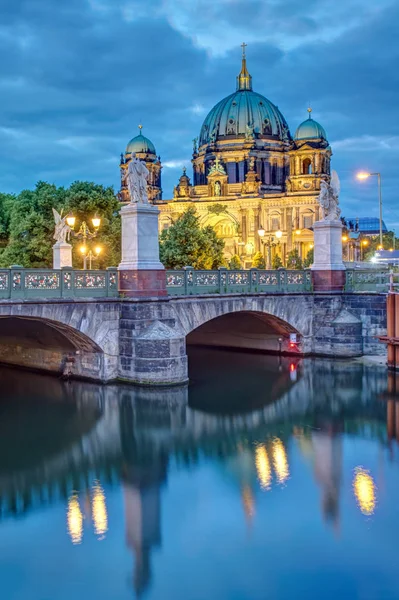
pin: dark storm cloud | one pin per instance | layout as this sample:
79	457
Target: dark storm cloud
77	76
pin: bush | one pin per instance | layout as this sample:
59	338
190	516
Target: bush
294	261
277	263
258	261
235	263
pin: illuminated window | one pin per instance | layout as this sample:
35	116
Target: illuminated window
307	166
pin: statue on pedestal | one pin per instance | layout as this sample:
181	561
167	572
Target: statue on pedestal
62	232
136	178
328	198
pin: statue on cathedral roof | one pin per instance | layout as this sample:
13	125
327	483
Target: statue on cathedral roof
136	179
329	198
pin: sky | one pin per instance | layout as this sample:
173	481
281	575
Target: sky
78	76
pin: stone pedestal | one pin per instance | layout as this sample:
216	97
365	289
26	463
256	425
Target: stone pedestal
141	274
328	269
62	255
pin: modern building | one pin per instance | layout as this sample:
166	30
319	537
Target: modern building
254	182
365	225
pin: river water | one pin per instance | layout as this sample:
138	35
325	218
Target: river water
266	478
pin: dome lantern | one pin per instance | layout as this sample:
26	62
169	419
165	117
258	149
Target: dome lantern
244	79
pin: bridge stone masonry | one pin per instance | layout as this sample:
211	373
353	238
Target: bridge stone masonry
134	323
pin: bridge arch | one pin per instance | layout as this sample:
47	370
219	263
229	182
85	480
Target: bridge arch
253	322
47	335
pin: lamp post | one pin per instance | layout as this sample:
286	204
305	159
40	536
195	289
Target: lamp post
363	245
365	175
89	256
84	233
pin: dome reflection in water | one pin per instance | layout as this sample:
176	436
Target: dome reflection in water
250	480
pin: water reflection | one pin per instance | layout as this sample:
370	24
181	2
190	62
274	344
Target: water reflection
364	490
105	438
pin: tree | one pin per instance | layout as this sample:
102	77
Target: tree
30	223
85	200
308	262
294	261
235	263
258	261
374	242
186	243
277	263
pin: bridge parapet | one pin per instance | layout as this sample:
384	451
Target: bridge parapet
19	283
189	282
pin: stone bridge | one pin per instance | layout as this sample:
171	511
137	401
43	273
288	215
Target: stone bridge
144	340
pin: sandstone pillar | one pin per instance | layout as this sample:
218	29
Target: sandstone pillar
62	255
141	274
328	269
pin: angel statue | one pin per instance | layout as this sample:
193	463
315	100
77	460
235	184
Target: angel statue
62	232
328	198
136	178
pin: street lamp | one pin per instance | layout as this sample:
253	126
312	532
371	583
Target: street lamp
363	245
365	175
89	255
84	233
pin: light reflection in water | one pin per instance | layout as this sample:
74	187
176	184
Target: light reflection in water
280	460
263	469
248	501
75	519
365	491
99	510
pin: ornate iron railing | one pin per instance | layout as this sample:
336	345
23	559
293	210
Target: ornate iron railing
367	280
188	282
18	282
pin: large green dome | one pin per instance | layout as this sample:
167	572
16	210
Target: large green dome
244	113
245	108
140	144
310	130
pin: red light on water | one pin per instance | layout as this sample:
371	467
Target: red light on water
292	368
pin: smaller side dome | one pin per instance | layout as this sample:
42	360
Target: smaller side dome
140	144
310	130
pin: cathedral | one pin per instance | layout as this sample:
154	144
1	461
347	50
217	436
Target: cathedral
255	183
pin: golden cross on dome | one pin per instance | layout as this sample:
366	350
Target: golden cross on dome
310	112
243	46
140	127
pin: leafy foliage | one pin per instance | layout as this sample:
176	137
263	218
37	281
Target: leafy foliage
277	263
308	262
235	263
27	223
186	243
294	261
258	261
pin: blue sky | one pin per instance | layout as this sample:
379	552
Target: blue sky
78	76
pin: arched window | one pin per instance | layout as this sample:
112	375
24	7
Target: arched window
307	167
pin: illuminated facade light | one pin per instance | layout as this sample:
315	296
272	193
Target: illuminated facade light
279	234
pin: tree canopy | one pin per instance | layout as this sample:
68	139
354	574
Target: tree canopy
27	223
185	243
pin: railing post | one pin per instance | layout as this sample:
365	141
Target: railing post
17	291
187	270
222	279
282	279
253	280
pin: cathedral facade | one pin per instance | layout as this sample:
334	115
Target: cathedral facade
254	182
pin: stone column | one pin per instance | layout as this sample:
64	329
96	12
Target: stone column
289	229
328	269
141	274
62	255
